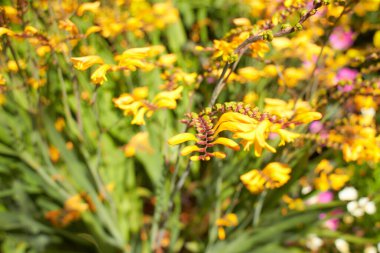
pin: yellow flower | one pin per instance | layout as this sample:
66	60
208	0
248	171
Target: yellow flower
91	7
241	22
259	48
189	149
338	179
2	99
75	203
226	142
139	142
99	76
286	109
294	204
68	26
83	63
92	29
167	60
59	124
229	220
43	50
328	177
307	117
274	175
285	135
324	166
249	74
167	99
292	76
6	31
249	130
54	154
2	80
250	98
13	65
181	138
11	13
224	49
376	39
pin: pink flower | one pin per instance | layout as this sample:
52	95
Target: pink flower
346	74
315	127
325	197
341	39
332	223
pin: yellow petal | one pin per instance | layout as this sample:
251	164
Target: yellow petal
218	154
226	142
376	39
307	117
99	76
181	138
93	29
91	7
6	31
221	233
189	149
83	63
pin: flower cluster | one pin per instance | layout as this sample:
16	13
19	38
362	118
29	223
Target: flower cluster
246	123
136	104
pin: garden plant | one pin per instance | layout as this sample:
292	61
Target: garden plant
218	126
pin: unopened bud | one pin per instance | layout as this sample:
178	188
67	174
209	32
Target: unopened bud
298	27
285	27
303	12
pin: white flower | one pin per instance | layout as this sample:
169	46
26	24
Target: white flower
370	249
313	242
370	208
360	207
342	245
307	189
370	112
363	201
352	207
348	194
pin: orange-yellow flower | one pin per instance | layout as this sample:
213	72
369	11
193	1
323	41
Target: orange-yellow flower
99	76
85	62
168	99
75	203
6	31
229	220
90	7
139	142
181	138
274	175
307	117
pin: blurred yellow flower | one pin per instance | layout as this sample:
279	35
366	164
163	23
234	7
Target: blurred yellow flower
75	203
85	62
274	175
90	7
138	143
54	154
59	124
229	220
99	76
328	177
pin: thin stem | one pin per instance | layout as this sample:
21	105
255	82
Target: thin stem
314	82
258	208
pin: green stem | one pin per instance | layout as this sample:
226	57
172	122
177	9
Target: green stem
258	208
